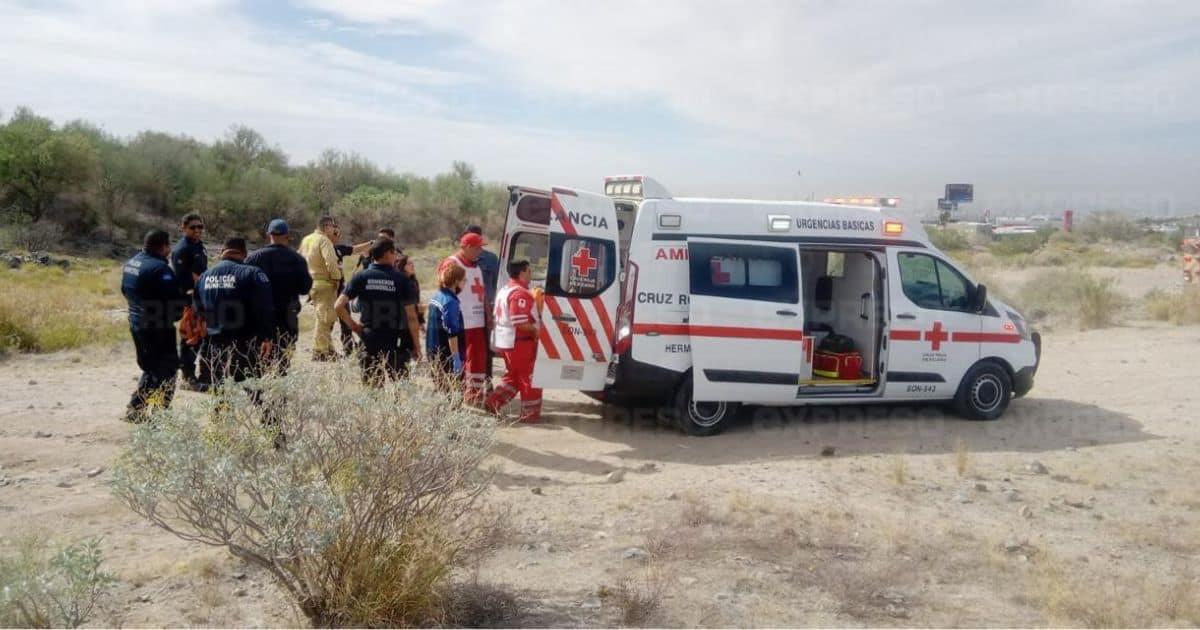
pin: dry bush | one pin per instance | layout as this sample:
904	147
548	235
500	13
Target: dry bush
1074	295
42	587
696	513
962	458
45	309
480	605
638	600
899	472
1070	598
1179	308
361	517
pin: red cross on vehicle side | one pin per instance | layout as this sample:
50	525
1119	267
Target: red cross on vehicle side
583	262
936	335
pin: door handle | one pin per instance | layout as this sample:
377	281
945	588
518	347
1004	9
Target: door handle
786	313
863	312
564	318
905	316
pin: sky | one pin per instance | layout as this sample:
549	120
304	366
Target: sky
1042	106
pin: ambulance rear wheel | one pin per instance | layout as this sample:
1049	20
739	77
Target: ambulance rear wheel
701	418
984	392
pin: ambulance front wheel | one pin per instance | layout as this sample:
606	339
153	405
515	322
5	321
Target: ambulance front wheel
701	418
984	392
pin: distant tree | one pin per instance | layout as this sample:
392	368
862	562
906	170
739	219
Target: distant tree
115	175
38	162
163	168
243	148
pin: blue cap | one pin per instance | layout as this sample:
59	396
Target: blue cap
278	227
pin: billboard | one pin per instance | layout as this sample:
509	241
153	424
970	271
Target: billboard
960	193
945	205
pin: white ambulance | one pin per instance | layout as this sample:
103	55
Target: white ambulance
705	305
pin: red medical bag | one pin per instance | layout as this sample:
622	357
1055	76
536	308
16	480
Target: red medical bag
842	365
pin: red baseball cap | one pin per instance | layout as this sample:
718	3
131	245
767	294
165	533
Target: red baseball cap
470	239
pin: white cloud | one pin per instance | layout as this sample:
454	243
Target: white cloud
1036	103
901	94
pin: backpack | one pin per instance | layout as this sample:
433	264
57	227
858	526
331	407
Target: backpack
836	343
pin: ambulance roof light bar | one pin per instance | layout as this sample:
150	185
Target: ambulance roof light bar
878	202
634	187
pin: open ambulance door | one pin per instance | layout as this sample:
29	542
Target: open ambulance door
526	232
575	340
746	321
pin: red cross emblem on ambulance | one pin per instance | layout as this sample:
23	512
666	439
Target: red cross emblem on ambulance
936	336
584	262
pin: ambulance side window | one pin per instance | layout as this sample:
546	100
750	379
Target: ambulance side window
931	283
580	266
746	272
532	247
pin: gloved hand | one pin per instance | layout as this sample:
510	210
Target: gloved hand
456	364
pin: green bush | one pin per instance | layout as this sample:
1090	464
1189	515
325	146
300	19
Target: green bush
41	587
947	239
1074	295
362	517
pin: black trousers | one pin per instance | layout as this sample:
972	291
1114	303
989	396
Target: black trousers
235	359
287	331
382	356
158	360
189	356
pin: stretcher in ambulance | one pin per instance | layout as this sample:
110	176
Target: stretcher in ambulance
706	305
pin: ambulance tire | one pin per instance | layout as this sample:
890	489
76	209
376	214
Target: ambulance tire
701	418
984	392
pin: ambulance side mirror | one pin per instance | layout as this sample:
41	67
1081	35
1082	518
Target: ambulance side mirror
979	304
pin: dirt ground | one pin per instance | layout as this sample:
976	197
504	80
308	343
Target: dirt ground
1079	507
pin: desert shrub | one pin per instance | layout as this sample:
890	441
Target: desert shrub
44	587
46	309
361	517
948	240
1176	307
1072	294
1017	244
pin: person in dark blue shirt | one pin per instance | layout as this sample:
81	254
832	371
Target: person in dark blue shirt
189	260
489	265
387	309
156	302
288	273
239	311
444	328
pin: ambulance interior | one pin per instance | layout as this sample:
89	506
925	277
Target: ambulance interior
843	295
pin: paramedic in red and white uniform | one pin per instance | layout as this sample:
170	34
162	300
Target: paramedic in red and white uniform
472	300
515	336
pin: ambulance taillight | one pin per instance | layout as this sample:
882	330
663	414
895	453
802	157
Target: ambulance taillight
624	332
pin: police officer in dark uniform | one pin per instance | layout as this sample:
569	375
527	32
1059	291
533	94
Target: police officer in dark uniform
155	303
288	273
189	260
388	310
240	314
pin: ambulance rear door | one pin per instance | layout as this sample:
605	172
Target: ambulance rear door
746	321
576	338
526	232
